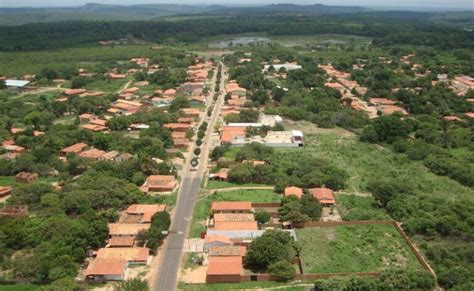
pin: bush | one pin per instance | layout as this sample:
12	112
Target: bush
284	271
262	216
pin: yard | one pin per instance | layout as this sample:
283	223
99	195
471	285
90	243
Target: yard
360	248
212	185
352	207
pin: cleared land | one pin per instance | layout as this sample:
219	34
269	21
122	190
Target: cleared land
361	248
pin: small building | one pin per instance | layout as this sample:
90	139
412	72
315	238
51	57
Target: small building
25	177
145	210
14	210
231	207
5	191
221	175
233	217
109	156
296	191
159	183
216	240
235	225
126	229
92	154
121	242
135	256
183	127
100	270
225	269
325	196
16	84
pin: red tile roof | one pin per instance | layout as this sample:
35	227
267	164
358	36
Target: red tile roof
238	225
103	267
75	148
298	192
127	254
324	195
121	241
217	238
225	265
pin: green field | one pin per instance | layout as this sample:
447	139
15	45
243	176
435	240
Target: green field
364	162
361	248
212	185
203	205
242	286
19	287
353	207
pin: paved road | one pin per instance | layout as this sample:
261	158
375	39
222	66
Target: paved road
172	251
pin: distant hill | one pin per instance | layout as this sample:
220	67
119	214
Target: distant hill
94	11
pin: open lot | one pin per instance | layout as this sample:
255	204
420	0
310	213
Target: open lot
352	207
355	248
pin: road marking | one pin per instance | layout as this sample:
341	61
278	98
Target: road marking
180	232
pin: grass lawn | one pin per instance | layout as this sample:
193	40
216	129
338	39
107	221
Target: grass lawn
10	180
353	207
360	248
211	185
364	162
203	205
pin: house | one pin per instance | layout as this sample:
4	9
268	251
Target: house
74	92
124	157
73	149
216	240
233	217
5	191
131	90
234	88
115	76
135	256
191	111
109	156
382	101
121	242
100	270
225	269
94	127
145	210
183	127
197	100
159	183
126	229
227	251
160	102
16	130
296	191
169	93
14	211
287	66
452	118
469	114
16	84
188	120
138	126
325	196
230	133
221	175
92	154
24	177
231	207
235	225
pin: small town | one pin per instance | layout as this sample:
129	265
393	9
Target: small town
237	160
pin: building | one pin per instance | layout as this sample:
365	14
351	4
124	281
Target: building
92	154
126	229
146	211
73	149
16	84
159	183
5	191
277	139
221	175
235	225
14	210
100	270
183	127
287	66
298	192
224	269
135	256
216	240
121	242
24	177
325	196
231	207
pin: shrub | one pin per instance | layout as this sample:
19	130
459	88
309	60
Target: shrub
284	271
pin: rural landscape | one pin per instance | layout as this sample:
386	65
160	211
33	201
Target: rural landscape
273	147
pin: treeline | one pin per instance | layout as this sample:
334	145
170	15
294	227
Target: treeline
41	36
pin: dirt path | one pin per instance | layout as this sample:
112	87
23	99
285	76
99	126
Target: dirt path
125	87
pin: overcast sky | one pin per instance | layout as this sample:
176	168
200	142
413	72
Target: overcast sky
467	4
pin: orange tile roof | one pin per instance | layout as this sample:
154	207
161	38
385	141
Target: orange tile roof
74	91
121	241
94	127
298	192
102	267
229	206
225	265
470	114
131	90
389	109
175	126
227	251
382	101
324	195
159	183
75	148
147	210
452	118
237	225
92	154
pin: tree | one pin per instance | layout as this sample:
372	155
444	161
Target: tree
197	151
262	216
3	85
284	271
199	142
311	207
271	247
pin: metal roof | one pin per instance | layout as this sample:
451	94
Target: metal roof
16	83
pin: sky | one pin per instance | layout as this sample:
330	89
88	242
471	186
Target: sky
467	4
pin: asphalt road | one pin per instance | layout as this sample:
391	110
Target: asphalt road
172	251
